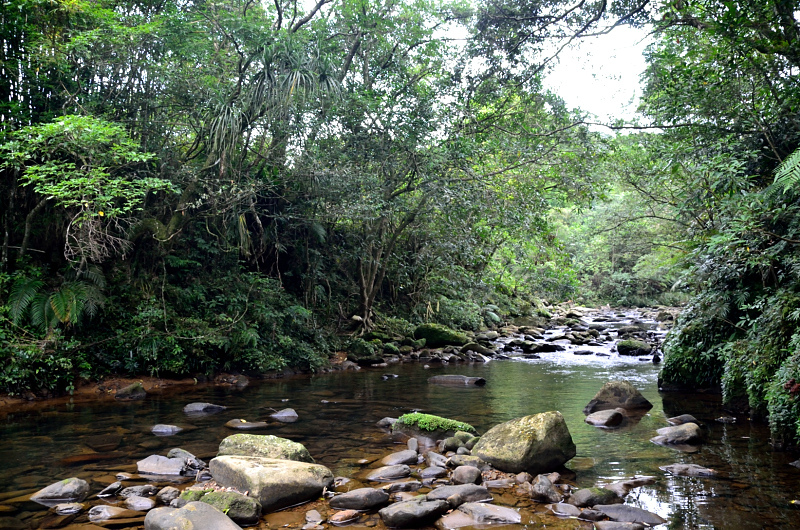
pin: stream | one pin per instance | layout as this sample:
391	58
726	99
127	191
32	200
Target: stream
337	423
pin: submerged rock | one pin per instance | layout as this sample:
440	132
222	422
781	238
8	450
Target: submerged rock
689	470
630	514
244	425
457	380
536	444
617	394
68	490
132	392
165	430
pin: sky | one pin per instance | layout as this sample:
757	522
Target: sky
601	74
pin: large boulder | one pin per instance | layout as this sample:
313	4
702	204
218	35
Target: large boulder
617	394
267	446
68	490
194	516
537	444
273	482
633	347
437	335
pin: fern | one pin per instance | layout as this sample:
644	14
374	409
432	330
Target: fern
787	175
22	295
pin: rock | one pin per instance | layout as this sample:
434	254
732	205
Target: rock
725	419
466	475
165	430
389	473
167	494
198	409
592	496
314	517
435	459
592	515
103	443
457	380
687	433
689	470
412	513
139	504
68	490
563	509
266	446
274	483
633	347
433	472
402	457
67	508
285	416
344	517
543	490
111	489
132	392
683	418
428	428
160	465
195	515
360	499
477	348
623	487
483	513
144	490
104	513
617	394
629	514
615	525
240	508
536	444
244	425
605	418
437	335
466	460
459	494
191	464
386	422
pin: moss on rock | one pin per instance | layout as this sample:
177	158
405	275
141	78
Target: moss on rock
431	423
437	335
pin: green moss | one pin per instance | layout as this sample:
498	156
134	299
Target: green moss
437	335
429	422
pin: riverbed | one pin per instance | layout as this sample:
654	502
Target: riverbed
338	413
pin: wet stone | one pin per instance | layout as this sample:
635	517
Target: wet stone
402	457
389	473
433	472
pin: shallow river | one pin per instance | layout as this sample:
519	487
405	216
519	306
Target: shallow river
338	413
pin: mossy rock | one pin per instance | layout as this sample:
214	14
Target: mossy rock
437	335
418	425
267	446
360	350
633	347
240	508
132	392
391	348
376	335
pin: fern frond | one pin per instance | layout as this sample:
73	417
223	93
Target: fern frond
787	175
22	294
62	302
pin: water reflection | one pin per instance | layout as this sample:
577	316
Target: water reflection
338	412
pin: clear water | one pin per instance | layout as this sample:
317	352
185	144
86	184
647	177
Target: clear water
338	413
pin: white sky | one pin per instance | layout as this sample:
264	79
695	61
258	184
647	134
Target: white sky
601	74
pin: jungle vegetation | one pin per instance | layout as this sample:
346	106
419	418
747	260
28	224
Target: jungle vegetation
195	186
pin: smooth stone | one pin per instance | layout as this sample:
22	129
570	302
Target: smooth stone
687	433
616	525
389	473
412	513
244	425
162	429
537	443
466	460
132	392
111	489
617	394
195	515
314	517
483	513
405	486
563	509
683	418
104	513
144	490
266	446
360	499
344	517
433	472
401	457
240	508
160	465
629	514
203	408
285	416
460	494
68	508
167	494
433	458
140	504
273	482
591	496
623	487
457	380
466	475
688	470
605	418
69	490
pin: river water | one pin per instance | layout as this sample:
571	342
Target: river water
337	417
